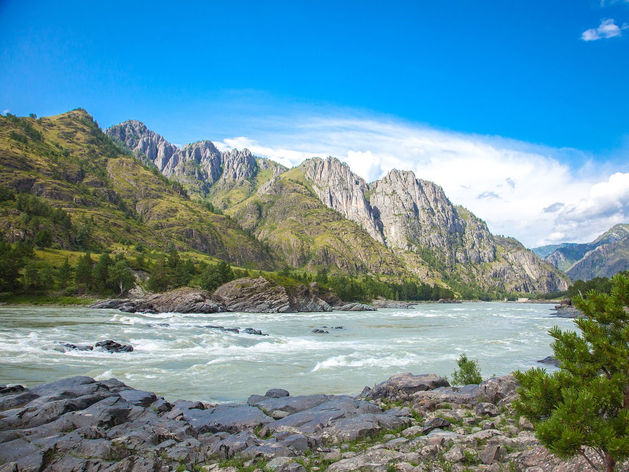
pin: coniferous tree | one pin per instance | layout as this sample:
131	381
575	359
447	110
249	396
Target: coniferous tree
160	278
584	407
83	274
216	275
64	274
100	273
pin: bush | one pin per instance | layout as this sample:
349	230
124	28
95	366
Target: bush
467	373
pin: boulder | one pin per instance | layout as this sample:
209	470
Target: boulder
401	386
277	393
112	346
253	296
435	423
550	360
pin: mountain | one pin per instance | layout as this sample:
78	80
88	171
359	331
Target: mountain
69	163
321	215
604	257
416	220
226	177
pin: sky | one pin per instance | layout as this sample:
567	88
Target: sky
519	109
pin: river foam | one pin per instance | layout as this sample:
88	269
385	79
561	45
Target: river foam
182	356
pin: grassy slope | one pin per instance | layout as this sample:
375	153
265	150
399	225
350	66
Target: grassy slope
225	195
69	161
289	217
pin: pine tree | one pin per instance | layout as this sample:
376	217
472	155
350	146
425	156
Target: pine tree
83	275
584	407
64	274
216	275
100	273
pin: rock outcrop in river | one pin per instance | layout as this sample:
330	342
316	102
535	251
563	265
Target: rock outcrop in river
253	295
80	424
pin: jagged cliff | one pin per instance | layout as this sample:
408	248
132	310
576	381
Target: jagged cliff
226	177
321	214
415	216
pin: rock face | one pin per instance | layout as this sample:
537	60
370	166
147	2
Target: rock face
339	188
146	144
79	424
417	214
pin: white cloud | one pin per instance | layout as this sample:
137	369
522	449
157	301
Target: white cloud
5	111
521	190
607	29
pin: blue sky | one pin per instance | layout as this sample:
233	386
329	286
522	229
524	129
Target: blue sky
530	79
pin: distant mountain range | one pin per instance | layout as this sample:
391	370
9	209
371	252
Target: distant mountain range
605	256
131	186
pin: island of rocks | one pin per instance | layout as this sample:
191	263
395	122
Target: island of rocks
252	295
409	423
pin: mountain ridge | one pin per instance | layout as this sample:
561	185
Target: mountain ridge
411	225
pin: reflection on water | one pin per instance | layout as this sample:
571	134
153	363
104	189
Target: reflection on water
178	356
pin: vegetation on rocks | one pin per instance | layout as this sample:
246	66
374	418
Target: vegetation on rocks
467	373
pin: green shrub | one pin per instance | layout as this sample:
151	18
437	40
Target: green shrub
467	373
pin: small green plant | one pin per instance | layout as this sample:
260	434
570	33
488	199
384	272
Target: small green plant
467	373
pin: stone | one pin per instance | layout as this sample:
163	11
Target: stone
497	388
491	454
486	409
277	393
372	460
454	455
550	360
253	295
138	397
435	423
404	385
113	346
524	423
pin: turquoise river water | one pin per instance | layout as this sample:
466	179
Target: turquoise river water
178	357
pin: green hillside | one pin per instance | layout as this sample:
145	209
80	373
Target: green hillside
290	219
109	196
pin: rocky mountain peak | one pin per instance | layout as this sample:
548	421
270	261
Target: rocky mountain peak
340	189
416	214
144	143
239	165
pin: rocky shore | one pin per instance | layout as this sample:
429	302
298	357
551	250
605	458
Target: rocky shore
408	423
252	295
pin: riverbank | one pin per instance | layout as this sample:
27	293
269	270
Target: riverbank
408	423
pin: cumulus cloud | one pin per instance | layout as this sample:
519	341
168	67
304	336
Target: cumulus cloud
521	190
607	29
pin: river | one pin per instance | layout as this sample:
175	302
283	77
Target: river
177	356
